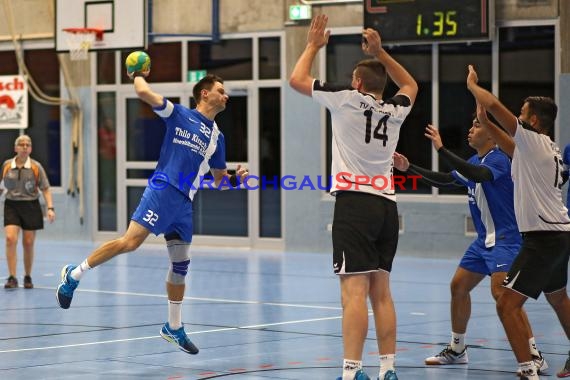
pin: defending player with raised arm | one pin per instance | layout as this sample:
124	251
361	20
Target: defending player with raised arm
302	81
192	146
542	264
487	176
365	128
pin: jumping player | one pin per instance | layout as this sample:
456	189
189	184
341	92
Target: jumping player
192	146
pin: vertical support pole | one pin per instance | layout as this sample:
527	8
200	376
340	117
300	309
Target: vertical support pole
215	20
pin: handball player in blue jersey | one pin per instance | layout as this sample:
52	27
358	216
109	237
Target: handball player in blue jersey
193	145
487	177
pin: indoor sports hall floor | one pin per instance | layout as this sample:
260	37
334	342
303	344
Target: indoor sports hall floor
254	315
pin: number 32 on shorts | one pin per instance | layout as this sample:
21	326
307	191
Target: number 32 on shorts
151	217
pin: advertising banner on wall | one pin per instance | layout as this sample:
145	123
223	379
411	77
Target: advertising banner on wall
13	102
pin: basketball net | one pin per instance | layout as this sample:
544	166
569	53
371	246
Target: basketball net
80	40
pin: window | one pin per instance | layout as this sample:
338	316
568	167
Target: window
44	120
233	124
456	104
412	143
229	59
106	67
269	58
107	161
526	65
270	161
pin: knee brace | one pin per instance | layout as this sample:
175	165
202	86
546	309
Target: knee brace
179	252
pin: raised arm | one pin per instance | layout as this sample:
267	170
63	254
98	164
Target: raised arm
489	101
477	173
502	138
435	179
372	45
145	93
301	79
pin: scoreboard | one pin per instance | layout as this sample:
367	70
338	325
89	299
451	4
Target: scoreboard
419	21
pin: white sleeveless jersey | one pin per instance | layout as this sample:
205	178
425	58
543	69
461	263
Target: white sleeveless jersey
537	175
365	133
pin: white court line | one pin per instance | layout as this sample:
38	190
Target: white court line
158	336
221	300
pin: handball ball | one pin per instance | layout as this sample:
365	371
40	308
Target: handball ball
137	61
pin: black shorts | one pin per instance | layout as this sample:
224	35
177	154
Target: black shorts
541	265
365	233
26	214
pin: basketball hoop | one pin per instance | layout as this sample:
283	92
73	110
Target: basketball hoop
79	41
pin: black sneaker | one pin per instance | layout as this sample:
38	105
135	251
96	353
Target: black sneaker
28	284
11	283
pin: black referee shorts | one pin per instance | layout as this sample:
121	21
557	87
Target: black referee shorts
26	214
541	265
365	233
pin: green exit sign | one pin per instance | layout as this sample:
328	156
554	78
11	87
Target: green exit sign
196	75
299	12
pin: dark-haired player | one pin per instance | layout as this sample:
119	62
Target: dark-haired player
365	130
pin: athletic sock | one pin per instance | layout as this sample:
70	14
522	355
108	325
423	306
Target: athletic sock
80	270
533	349
175	314
386	364
349	368
457	342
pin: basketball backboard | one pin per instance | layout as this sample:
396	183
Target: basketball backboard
123	22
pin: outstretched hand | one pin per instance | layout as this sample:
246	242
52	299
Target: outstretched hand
242	173
472	77
317	35
482	114
371	42
433	134
401	162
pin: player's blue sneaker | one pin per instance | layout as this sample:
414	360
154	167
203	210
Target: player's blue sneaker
179	338
390	375
360	375
65	290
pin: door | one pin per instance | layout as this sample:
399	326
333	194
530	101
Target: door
228	217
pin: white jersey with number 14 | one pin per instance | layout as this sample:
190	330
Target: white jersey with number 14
365	133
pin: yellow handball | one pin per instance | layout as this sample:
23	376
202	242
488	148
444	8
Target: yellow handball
137	61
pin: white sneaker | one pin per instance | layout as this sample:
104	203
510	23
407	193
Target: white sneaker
540	364
448	356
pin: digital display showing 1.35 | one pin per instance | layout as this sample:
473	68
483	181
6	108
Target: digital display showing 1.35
430	20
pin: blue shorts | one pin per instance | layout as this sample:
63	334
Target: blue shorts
165	211
479	259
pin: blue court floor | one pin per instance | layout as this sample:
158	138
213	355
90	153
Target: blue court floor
254	315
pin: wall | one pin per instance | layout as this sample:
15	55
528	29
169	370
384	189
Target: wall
430	228
236	16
